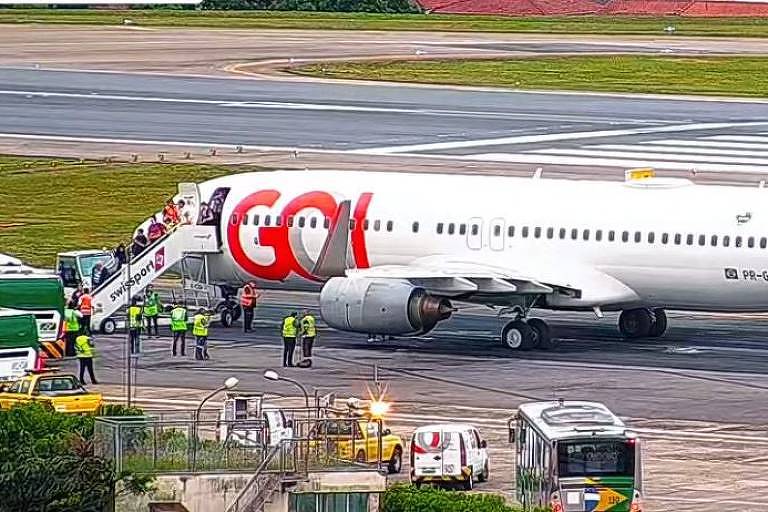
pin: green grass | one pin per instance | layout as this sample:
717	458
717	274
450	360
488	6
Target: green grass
733	27
45	209
731	76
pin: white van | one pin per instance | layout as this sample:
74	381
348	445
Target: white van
449	453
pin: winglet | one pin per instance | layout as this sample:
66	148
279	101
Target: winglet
332	261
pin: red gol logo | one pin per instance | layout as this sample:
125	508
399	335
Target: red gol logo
159	259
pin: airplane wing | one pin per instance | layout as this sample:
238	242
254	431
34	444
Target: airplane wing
495	282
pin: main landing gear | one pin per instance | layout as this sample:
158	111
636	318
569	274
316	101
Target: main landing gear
523	334
642	323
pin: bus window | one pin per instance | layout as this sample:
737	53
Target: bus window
596	458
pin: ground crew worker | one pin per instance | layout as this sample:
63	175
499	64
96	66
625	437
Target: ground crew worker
84	348
200	331
248	299
308	333
134	326
290	331
151	310
85	306
71	328
179	327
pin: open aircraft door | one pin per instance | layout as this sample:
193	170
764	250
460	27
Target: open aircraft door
497	234
475	233
190	194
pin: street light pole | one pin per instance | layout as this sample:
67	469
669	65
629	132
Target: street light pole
129	343
230	383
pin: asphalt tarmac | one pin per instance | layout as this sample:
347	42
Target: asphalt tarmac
698	395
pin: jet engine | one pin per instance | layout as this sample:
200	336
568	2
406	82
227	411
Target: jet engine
381	306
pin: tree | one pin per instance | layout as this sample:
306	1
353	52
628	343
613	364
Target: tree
47	463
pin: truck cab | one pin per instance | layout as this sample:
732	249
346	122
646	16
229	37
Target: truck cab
19	343
75	268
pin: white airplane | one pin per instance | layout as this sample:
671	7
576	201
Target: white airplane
392	252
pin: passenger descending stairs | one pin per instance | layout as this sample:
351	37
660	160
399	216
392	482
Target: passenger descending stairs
185	240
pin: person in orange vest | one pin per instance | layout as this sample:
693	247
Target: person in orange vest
171	213
85	306
248	299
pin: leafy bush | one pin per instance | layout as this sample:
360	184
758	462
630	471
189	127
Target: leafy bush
385	6
47	463
406	498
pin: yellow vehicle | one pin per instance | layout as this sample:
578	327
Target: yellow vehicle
62	391
358	439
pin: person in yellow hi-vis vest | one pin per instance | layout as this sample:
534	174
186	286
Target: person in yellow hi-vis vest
85	353
71	328
179	327
290	331
151	311
200	330
308	334
134	326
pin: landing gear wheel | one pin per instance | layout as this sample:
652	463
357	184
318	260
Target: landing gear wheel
226	318
635	323
659	326
483	477
541	336
517	335
236	313
108	326
396	462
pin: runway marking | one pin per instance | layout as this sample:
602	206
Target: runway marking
660	157
707	144
552	137
654	147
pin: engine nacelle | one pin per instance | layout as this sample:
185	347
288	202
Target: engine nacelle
381	306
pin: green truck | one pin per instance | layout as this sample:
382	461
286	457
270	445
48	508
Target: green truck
19	343
38	293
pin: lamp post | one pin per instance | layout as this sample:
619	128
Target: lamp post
230	383
274	376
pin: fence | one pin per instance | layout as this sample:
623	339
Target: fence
304	441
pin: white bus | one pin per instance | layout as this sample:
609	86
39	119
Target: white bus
575	456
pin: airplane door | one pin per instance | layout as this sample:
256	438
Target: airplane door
190	194
475	233
496	234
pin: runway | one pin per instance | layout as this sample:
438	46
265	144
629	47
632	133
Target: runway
379	120
697	396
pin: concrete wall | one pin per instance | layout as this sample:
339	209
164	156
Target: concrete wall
199	493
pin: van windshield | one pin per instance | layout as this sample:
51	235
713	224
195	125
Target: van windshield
606	457
88	262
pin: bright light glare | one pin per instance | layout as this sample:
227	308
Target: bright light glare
379	409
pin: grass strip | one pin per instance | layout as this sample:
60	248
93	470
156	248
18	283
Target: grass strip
48	206
729	76
724	27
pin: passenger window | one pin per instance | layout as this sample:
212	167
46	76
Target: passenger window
289	221
511	231
702	240
462	229
377	225
638	237
525	231
625	236
278	220
665	238
611	235
313	222
255	220
737	241
439	228
726	241
562	233
574	234
245	219
352	224
585	234
713	241
497	230
689	239
452	228
598	235
550	233
326	223
366	224
475	229
751	242
537	232
234	219
651	237
390	225
415	227
268	220
678	238
763	242
302	222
